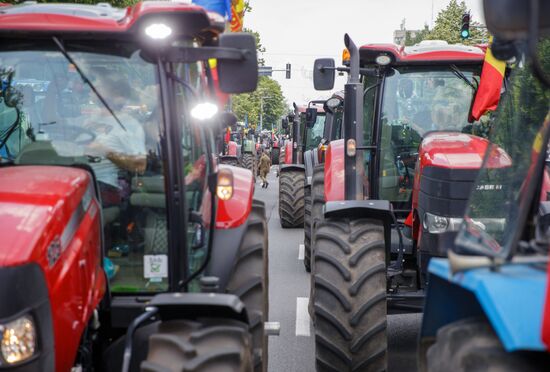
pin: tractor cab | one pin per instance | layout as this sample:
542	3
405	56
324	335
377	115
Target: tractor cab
107	120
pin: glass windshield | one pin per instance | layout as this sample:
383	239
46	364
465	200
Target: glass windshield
314	135
416	101
59	120
492	219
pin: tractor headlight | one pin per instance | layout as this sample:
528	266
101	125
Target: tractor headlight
224	188
435	224
18	340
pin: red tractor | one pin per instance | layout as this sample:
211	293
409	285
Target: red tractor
125	246
396	181
306	126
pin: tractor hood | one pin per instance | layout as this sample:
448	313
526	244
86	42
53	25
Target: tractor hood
458	150
36	204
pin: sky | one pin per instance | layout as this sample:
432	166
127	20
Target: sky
298	31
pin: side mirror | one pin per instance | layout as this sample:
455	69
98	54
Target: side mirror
510	19
323	74
238	76
311	116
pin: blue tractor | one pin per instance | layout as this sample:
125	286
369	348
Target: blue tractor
488	304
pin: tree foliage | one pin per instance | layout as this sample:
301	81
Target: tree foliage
447	27
249	104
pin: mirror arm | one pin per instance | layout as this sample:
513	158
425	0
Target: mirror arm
189	55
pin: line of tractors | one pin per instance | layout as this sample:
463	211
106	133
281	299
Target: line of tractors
411	205
127	245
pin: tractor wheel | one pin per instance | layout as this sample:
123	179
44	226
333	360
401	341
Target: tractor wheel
249	162
249	281
275	155
291	198
307	228
184	345
472	345
317	201
349	298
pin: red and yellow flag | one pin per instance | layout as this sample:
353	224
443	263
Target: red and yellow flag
488	92
237	14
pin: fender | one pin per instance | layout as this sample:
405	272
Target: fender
291	167
334	171
228	157
194	305
234	212
502	296
309	163
288	152
375	209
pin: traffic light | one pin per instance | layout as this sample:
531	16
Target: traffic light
288	70
465	29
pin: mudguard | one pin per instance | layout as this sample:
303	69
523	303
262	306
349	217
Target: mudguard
309	163
512	299
234	212
173	306
376	209
334	171
288	152
291	167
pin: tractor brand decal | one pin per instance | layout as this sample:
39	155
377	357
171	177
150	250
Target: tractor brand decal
488	187
155	267
54	251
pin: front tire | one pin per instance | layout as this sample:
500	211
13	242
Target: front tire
249	281
291	198
472	345
307	229
349	296
185	345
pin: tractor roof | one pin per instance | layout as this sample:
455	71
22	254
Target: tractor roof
31	19
425	52
302	108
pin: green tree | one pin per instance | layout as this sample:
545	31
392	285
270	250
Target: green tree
418	36
259	47
449	22
249	104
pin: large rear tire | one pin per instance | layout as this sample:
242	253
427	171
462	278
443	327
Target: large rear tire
291	198
317	202
249	281
307	228
249	162
275	153
349	296
472	345
184	345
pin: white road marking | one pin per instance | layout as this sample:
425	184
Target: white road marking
302	316
301	252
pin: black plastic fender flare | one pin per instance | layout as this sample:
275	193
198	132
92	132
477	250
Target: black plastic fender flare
375	209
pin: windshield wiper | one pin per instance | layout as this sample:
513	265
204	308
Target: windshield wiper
461	75
85	79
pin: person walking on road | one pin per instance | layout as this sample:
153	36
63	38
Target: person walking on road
265	165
